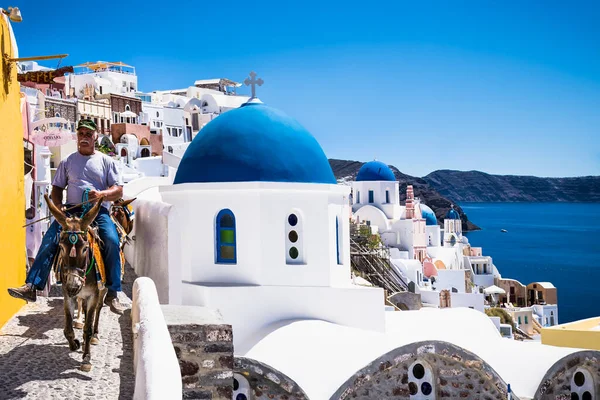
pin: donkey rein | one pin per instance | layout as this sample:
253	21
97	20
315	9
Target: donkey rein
49	216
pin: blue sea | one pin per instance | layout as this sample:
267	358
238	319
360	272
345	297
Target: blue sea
555	242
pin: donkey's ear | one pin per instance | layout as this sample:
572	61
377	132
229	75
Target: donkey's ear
125	203
91	215
56	212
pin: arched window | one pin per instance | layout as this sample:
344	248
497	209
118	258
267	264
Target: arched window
387	196
371	196
145	152
127	108
338	243
123	152
294	252
225	237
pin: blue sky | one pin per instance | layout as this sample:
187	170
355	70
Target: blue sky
502	87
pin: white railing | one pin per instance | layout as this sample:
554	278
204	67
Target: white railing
157	373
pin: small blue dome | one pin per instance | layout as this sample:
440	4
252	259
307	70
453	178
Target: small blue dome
428	214
375	171
452	214
254	143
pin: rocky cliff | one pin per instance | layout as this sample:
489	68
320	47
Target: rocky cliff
345	171
476	186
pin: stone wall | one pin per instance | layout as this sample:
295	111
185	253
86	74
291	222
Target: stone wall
423	369
204	347
559	381
263	382
66	109
406	301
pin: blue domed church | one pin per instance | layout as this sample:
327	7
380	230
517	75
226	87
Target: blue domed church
256	213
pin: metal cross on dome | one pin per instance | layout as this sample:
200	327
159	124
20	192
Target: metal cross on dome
253	82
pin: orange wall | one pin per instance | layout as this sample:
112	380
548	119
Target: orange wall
12	196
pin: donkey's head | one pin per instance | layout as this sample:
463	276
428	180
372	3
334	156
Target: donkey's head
74	253
121	213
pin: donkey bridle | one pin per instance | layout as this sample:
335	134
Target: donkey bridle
73	237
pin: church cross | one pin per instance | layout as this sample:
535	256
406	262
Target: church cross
253	82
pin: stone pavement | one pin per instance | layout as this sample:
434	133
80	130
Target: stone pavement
36	363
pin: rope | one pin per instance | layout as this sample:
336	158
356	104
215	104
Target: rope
85	198
90	267
50	216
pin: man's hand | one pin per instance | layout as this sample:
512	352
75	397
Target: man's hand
95	195
111	194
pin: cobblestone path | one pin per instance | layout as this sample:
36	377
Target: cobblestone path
36	363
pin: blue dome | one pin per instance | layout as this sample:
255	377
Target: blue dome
375	171
452	214
254	143
428	214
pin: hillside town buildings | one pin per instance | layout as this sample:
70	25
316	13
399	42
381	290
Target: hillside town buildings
238	211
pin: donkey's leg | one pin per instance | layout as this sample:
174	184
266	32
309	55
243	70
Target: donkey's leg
99	304
78	324
88	330
69	334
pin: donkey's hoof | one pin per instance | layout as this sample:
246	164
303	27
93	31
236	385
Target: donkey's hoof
86	367
94	340
75	345
77	324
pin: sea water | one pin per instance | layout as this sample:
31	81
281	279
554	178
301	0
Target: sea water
545	242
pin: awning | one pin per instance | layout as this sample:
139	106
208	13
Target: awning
494	290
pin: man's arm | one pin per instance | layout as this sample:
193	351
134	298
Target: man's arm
57	196
113	193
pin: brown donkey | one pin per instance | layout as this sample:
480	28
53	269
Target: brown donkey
78	276
121	214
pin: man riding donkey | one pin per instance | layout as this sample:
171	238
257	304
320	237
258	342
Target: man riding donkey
94	174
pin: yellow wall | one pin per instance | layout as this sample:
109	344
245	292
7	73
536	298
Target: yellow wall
575	334
12	196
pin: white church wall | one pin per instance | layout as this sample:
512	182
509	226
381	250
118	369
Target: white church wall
389	203
374	215
340	265
149	253
261	237
357	307
198	209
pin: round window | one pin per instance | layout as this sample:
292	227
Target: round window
579	378
586	396
241	396
293	236
293	219
418	371
574	396
294	253
236	384
426	388
413	388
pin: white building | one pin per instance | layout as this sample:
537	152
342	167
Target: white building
102	77
256	227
